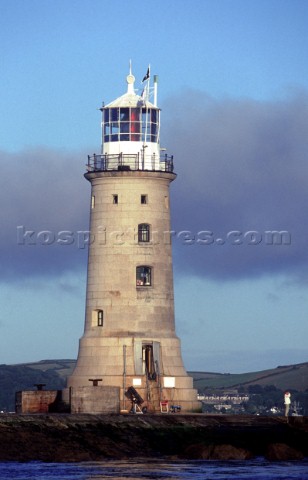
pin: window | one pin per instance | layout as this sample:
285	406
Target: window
143	232
144	199
97	318
100	318
92	201
143	276
115	199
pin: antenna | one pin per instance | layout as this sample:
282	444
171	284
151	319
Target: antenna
155	90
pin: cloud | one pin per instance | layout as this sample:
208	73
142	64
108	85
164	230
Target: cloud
242	167
43	191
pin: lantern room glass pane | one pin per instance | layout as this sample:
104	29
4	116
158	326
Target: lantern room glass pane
124	125
135	132
145	114
124	137
106	115
153	132
124	114
114	114
150	120
114	129
135	115
153	116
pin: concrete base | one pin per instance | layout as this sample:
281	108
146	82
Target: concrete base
152	392
102	358
95	399
42	401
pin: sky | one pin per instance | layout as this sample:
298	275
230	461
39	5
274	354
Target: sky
233	89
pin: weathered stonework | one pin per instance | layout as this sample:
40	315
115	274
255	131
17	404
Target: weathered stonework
98	400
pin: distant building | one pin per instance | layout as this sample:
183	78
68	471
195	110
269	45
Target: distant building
233	399
225	401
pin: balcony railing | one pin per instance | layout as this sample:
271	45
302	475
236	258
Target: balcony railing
126	162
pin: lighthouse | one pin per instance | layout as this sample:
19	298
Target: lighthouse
129	355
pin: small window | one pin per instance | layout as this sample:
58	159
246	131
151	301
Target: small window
144	199
143	276
92	201
115	199
100	318
143	232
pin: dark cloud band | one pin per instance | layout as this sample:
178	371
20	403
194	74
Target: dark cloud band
242	167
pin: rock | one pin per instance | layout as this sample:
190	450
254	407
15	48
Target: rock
230	452
63	438
282	451
197	451
216	452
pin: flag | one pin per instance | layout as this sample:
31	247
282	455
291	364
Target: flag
147	75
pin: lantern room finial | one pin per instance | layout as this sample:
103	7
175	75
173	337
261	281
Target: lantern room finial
130	79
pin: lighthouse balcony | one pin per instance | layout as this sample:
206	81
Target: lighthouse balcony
126	162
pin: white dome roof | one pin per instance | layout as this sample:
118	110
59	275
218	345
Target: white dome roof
130	98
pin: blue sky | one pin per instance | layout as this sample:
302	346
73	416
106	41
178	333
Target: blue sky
233	88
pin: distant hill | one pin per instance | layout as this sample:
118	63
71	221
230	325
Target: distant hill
23	376
54	373
286	377
63	368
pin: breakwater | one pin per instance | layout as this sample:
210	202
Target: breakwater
74	438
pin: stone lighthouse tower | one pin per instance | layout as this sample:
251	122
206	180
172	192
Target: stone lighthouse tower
129	342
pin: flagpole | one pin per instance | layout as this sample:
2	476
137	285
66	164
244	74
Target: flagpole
147	91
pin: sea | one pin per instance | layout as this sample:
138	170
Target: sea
257	469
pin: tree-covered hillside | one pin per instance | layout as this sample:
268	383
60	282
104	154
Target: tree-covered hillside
286	377
53	373
24	376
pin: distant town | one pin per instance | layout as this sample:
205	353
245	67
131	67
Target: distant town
267	401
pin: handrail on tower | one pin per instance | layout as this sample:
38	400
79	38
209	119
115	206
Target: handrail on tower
126	162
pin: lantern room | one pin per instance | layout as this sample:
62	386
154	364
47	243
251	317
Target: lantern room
130	132
130	124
